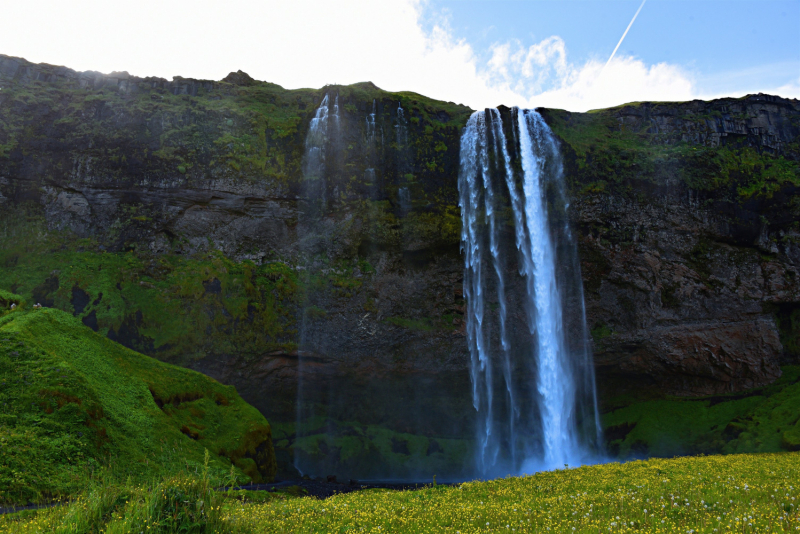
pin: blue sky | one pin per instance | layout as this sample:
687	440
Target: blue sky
728	45
480	53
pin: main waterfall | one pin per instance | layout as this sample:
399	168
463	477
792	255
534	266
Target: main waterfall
531	368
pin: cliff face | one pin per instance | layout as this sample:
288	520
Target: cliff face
690	251
173	217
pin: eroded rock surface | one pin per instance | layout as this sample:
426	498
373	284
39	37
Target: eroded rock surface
687	218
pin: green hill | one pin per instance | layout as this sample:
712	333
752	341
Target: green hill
74	404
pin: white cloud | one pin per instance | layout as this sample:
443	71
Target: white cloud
306	43
541	75
623	80
751	86
300	43
790	90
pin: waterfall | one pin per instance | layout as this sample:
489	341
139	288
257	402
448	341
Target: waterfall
539	411
336	119
404	166
314	164
314	156
402	128
500	146
320	159
554	379
371	124
371	130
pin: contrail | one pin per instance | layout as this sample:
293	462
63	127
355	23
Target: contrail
624	34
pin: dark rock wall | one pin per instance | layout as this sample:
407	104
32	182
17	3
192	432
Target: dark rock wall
687	217
688	248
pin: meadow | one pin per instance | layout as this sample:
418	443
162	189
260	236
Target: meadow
702	494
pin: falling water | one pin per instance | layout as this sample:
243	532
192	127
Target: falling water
371	125
315	140
314	157
402	128
404	167
517	430
320	154
555	381
500	143
336	119
371	134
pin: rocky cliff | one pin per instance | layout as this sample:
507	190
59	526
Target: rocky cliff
172	216
690	221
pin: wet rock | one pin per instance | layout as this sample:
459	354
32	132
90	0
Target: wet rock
681	286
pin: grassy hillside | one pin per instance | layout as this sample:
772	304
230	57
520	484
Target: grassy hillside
737	493
74	404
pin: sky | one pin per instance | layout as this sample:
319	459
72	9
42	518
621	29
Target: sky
481	53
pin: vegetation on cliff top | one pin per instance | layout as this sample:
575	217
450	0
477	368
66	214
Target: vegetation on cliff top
195	129
74	404
610	151
742	493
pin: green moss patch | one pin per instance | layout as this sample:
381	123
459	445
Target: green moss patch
175	307
759	420
8	299
344	447
605	155
73	403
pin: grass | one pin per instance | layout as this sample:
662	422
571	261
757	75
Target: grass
74	404
735	493
181	502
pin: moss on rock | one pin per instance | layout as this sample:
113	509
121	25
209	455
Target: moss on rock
75	403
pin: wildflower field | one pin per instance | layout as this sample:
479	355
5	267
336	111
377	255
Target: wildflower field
706	494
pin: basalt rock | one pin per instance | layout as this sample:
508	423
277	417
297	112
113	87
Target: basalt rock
686	256
686	216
